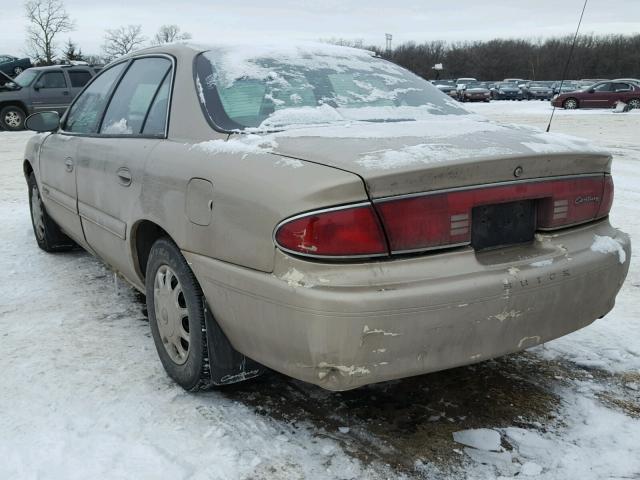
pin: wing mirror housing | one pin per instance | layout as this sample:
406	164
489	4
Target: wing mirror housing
591	90
43	122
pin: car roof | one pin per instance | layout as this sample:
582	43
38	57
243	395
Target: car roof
60	67
190	50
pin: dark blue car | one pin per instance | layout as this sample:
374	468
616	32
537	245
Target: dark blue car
13	66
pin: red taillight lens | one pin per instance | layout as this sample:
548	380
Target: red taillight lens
344	232
444	219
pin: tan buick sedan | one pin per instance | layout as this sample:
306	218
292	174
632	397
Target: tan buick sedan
324	213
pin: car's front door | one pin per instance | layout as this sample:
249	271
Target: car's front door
598	96
58	155
111	164
58	183
50	92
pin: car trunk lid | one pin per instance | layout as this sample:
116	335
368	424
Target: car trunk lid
446	152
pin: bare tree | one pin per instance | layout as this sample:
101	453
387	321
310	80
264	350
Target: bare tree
47	18
170	33
122	40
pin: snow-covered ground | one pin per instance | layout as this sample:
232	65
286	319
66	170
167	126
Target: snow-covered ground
83	394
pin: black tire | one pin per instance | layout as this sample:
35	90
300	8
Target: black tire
570	104
48	234
194	373
17	71
634	103
12	118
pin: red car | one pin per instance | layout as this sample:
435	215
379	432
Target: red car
600	95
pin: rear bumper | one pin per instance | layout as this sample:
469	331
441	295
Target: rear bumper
343	326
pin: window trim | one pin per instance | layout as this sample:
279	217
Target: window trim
129	61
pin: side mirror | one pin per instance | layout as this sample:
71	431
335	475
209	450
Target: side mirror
591	90
43	122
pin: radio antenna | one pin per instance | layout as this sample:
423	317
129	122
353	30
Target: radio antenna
566	65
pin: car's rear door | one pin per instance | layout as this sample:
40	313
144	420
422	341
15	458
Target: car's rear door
622	91
50	92
111	163
77	79
599	96
58	161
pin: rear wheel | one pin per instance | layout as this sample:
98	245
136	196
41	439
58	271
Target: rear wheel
18	70
175	305
634	103
12	118
570	104
48	234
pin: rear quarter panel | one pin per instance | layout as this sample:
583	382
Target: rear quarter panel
252	193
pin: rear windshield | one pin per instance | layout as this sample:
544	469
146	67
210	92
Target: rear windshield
274	88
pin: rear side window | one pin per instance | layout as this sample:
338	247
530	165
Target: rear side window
134	96
85	113
79	78
52	80
621	87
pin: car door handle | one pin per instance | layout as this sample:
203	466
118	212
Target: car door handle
68	164
124	176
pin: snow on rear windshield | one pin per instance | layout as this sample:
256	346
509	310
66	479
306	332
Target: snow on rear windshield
269	88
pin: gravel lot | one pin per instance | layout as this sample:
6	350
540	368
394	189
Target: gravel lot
84	396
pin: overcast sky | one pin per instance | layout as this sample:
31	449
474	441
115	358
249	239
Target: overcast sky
369	20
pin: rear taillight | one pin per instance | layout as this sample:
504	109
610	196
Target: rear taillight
439	220
344	232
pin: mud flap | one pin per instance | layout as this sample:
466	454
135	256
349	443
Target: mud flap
226	365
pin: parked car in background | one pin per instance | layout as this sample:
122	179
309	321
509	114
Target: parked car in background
473	92
462	80
537	91
13	66
440	240
601	95
446	86
518	81
507	91
567	86
41	89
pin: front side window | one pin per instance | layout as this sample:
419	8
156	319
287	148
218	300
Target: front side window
79	78
603	87
85	112
134	95
52	80
25	78
272	88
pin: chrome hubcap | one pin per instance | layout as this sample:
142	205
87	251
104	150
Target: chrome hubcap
634	103
12	119
37	213
17	70
571	104
172	315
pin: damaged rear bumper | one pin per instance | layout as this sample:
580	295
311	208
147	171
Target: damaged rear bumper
341	326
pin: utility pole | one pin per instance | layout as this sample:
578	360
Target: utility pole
389	37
